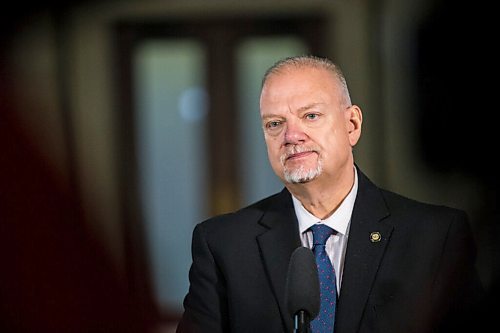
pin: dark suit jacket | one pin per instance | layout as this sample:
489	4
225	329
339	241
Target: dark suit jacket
417	278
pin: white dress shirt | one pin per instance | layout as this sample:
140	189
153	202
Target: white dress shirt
339	221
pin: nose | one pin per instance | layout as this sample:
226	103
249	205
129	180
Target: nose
294	133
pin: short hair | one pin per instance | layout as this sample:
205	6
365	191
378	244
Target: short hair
309	61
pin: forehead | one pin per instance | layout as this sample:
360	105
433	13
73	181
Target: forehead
295	87
305	72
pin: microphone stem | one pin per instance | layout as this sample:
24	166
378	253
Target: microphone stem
302	322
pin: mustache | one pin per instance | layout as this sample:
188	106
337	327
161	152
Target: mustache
296	149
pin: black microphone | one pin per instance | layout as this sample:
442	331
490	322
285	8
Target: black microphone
302	289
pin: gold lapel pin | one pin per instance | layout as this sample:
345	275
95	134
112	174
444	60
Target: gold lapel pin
375	237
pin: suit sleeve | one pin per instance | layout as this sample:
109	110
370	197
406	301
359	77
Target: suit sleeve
457	287
205	305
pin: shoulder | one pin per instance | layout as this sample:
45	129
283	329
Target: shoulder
430	223
401	205
246	217
403	210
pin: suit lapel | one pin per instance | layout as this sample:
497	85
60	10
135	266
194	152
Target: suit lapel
277	245
363	255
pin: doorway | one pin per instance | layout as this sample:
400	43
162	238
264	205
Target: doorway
191	138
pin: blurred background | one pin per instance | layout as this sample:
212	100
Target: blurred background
125	123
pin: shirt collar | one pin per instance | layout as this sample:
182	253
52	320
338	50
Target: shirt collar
339	220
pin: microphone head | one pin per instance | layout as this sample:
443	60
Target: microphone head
302	283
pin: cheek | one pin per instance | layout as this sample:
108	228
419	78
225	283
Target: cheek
273	144
334	145
274	153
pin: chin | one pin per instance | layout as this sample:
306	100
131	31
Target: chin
304	180
301	176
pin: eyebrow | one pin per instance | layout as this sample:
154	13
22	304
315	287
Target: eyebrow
300	109
309	106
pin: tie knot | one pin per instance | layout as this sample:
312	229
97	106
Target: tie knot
321	232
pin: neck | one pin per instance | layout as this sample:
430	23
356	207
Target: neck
321	197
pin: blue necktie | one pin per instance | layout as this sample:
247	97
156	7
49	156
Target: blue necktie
328	290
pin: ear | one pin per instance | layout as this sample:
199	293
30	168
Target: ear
354	120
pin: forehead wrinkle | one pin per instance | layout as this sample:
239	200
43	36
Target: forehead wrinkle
309	106
304	108
290	110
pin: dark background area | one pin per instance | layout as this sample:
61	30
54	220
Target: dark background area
457	90
55	275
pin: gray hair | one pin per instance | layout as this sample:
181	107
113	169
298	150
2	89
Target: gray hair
310	61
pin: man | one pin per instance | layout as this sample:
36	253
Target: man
399	265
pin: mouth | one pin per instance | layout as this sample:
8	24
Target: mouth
296	154
299	155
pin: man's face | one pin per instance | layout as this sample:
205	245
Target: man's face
308	128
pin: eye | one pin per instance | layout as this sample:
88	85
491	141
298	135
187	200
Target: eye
274	127
273	124
312	116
